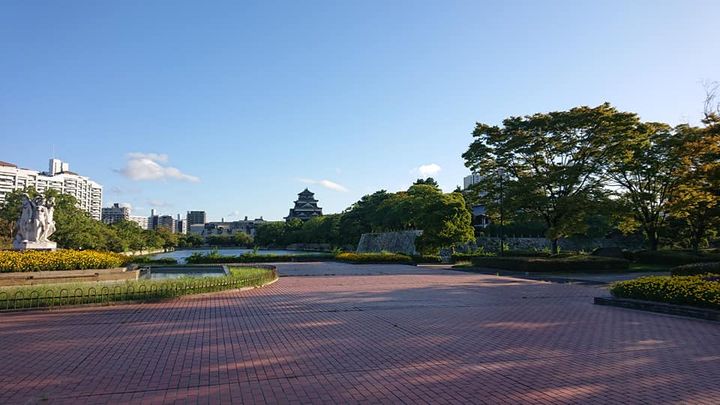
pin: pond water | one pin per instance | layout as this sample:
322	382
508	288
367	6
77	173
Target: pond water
181	255
163	273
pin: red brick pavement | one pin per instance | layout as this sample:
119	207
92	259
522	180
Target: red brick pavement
419	336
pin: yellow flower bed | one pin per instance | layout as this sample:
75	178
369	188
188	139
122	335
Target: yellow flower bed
699	291
12	261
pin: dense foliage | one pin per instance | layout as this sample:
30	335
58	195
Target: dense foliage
672	257
14	261
696	269
358	258
77	230
250	257
699	291
578	263
150	260
601	168
443	218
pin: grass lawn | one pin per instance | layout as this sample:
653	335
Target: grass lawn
32	296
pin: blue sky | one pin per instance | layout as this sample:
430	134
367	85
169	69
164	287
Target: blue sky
235	107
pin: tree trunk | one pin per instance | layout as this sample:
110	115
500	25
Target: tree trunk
653	241
554	247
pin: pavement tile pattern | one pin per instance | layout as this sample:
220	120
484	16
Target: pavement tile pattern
336	333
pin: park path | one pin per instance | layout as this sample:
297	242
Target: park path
338	333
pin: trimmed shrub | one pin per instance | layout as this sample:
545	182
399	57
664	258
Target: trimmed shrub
29	260
427	259
695	291
696	269
578	263
466	257
149	260
376	258
672	257
210	258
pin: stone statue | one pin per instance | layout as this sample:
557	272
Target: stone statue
36	224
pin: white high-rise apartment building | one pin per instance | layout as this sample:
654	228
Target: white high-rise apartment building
141	221
59	177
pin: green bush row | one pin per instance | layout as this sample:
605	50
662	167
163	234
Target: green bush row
52	295
29	260
150	260
427	259
696	269
368	258
577	263
671	257
210	258
698	291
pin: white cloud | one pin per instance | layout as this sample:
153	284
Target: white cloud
233	214
428	170
126	204
330	185
150	166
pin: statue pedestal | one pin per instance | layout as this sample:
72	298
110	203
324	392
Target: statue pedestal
30	245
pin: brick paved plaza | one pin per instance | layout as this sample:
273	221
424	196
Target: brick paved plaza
334	333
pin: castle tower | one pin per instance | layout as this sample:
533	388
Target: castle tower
305	207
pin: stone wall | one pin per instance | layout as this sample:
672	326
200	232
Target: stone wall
395	242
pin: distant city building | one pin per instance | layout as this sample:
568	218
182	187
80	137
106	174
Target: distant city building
196	229
180	225
471	180
222	228
195	218
153	220
167	222
59	177
480	218
116	213
305	207
141	221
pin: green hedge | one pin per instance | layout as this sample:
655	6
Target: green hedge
211	258
376	258
149	260
467	257
427	259
54	295
580	263
672	257
698	291
33	260
696	269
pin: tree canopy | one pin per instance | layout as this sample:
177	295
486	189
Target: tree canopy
547	164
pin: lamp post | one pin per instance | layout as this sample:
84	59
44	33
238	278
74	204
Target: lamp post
501	173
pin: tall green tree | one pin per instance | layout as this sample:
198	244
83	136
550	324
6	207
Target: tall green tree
547	165
645	167
443	218
696	201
